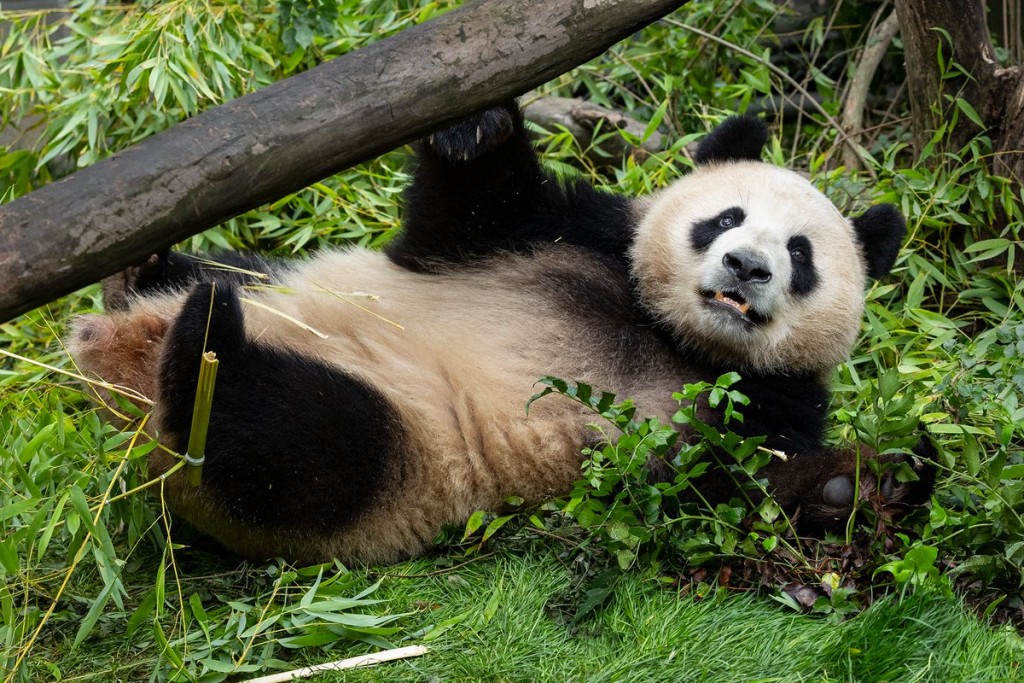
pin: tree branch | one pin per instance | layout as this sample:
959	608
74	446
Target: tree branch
257	148
584	120
853	109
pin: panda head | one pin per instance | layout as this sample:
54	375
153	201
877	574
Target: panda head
751	266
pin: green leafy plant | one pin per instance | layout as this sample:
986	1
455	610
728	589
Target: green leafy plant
245	635
916	568
302	20
107	76
630	515
979	515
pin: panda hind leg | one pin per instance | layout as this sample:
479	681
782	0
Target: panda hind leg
296	449
211	319
168	271
821	488
122	349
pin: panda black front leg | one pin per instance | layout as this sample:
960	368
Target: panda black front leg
479	190
477	187
822	488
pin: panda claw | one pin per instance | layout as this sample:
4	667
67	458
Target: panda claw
475	136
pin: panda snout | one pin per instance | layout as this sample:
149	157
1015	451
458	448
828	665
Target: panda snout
746	266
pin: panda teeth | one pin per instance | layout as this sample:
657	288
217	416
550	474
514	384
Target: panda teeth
742	307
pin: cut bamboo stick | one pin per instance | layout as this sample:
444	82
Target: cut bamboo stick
195	456
350	663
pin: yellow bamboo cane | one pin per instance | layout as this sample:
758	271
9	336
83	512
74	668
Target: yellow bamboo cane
195	456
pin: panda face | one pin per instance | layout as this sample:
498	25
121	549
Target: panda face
753	267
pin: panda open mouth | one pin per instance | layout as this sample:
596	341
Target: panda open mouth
735	304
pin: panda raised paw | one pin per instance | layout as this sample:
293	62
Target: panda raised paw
475	136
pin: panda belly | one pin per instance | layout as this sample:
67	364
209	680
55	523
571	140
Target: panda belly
456	357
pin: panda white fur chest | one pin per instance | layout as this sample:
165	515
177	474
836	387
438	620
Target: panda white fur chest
366	399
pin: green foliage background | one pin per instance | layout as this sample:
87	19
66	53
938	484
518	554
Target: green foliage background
94	579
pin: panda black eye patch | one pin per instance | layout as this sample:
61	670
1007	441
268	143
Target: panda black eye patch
708	230
805	277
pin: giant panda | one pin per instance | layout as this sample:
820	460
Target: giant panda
366	399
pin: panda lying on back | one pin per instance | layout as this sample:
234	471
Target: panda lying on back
398	404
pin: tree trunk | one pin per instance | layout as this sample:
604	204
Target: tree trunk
925	25
996	94
260	147
1009	140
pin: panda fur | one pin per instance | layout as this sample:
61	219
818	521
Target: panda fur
365	399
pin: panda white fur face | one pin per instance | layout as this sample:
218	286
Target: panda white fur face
752	266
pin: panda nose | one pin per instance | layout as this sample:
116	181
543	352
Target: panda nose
747	267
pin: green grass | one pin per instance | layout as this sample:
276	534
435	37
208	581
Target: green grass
650	633
497	619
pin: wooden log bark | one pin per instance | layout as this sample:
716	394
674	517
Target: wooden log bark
237	156
1009	139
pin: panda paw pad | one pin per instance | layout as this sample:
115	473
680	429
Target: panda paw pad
119	288
887	482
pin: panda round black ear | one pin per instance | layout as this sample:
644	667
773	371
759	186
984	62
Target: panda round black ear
738	138
880	231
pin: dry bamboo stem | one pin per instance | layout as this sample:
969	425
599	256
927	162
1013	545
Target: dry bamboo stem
350	663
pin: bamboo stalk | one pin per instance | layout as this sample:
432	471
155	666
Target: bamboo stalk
195	456
350	663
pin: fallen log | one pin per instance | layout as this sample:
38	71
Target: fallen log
257	148
591	124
